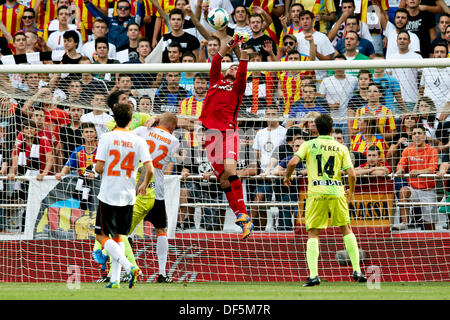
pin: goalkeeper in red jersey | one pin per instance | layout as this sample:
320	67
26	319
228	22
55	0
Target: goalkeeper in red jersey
219	118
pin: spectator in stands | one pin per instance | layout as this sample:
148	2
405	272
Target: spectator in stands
99	30
368	135
384	115
342	25
117	25
359	98
426	111
71	42
98	116
391	30
289	194
291	22
435	82
338	136
288	43
125	84
142	80
420	158
260	89
175	52
289	84
31	157
258	37
192	106
187	41
309	101
209	48
29	22
91	84
11	11
102	56
444	21
374	166
391	88
77	179
169	94
240	17
351	52
128	51
423	24
324	48
326	15
266	140
187	78
20	43
71	134
402	139
338	90
408	77
55	38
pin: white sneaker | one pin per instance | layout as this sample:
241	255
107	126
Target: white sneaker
400	226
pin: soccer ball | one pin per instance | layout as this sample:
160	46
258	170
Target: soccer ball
218	18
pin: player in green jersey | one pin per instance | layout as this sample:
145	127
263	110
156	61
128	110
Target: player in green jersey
327	197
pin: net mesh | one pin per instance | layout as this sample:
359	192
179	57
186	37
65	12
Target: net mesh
400	219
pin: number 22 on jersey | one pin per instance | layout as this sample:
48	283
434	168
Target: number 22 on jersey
156	160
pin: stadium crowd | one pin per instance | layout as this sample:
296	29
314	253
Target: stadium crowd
393	121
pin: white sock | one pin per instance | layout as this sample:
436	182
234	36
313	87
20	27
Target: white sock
162	247
116	253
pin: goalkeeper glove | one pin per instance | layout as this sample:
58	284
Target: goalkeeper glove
234	42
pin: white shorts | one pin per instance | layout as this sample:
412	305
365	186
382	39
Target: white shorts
419	195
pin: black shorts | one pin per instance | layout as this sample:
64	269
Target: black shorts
113	220
157	216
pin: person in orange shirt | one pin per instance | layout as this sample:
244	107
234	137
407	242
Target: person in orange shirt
419	158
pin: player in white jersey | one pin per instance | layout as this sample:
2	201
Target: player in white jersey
162	145
118	155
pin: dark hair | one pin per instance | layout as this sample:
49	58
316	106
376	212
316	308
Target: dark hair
30	10
306	13
403	10
440	44
405	32
72	34
348	1
294	51
188	54
175	44
113	98
61	8
297	4
357	35
101	40
88	125
20	33
338	131
201	75
143	39
122	114
176	11
29	123
293	132
373	148
324	124
133	24
257	16
420	126
353	17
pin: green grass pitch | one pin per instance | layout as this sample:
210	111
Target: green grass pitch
228	291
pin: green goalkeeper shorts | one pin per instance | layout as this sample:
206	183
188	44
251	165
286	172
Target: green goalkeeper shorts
322	211
141	208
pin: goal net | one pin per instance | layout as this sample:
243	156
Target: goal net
392	116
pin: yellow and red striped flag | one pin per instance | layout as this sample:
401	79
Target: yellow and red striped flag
365	4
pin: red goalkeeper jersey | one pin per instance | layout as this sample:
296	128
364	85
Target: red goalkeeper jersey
224	97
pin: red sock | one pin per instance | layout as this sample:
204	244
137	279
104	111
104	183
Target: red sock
236	186
231	200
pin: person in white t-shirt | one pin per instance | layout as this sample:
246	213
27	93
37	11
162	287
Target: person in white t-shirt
98	117
324	48
435	82
163	145
391	30
58	27
338	90
99	30
407	77
118	155
266	141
